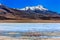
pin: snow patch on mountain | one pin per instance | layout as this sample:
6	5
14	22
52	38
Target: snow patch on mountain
39	7
0	4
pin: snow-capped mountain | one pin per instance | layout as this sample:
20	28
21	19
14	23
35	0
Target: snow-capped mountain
34	12
39	7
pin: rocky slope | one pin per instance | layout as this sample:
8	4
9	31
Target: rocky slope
35	12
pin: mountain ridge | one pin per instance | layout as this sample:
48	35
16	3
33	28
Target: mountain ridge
37	12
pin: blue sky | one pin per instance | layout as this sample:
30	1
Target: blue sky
53	5
29	26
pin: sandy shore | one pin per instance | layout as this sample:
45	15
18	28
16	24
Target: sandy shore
7	38
29	21
26	38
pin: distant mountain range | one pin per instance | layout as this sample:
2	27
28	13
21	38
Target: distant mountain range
34	12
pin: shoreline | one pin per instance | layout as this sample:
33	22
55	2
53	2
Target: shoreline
26	38
29	21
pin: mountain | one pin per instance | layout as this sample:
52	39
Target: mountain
34	12
40	12
9	13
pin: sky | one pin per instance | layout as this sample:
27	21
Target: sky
53	5
29	26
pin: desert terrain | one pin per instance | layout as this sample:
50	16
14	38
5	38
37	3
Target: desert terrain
26	38
29	21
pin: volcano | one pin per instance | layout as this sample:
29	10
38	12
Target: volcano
34	12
